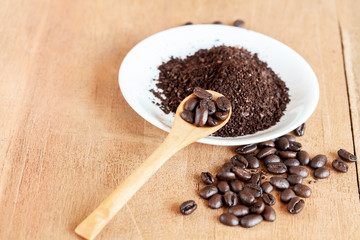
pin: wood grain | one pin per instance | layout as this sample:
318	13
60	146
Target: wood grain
68	137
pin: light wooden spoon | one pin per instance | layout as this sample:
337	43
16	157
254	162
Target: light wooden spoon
181	134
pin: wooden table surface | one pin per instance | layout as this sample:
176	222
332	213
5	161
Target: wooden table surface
68	137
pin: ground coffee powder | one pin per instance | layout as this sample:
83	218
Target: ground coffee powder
258	96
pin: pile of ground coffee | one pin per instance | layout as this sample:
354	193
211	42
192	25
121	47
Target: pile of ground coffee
258	96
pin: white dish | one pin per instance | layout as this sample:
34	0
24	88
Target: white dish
139	69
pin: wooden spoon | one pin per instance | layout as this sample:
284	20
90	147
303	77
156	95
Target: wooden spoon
181	134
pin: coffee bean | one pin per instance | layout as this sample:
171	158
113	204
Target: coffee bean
208	191
291	162
295	205
276	168
251	220
266	152
217	22
295	146
272	159
291	138
236	185
318	161
239	161
239	210
246	197
254	189
221	115
267	187
257	208
191	104
269	214
287	195
239	23
230	199
241	174
246	149
253	162
303	157
322	172
212	122
347	156
209	105
223	186
340	166
302	190
287	154
300	171
227	167
266	144
202	93
227	176
207	178
188	207
215	201
223	104
188	116
279	182
229	219
201	116
269	199
300	130
255	178
282	143
188	23
294	179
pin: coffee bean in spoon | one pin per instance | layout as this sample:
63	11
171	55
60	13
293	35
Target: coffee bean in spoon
188	116
202	93
212	122
201	116
221	115
191	104
209	105
223	104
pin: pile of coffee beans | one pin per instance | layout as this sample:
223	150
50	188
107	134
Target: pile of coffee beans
203	110
245	187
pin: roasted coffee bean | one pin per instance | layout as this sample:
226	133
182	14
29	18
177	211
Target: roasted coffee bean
188	207
295	205
291	138
221	115
227	176
246	197
318	161
201	116
223	186
255	178
340	166
218	22
227	167
302	190
191	104
279	182
239	210
230	199
215	201
300	171
295	146
207	178
294	179
223	104
251	220
229	219
269	199
269	214
187	116
212	122
246	149
322	172
300	130
282	143
188	23
276	168
202	93
291	162
267	187
241	174
239	23
253	162
345	155
303	157
257	208
266	152
272	159
266	144
236	185
209	105
287	195
239	161
254	189
208	191
287	154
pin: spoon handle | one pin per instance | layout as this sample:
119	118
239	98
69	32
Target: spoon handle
91	226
